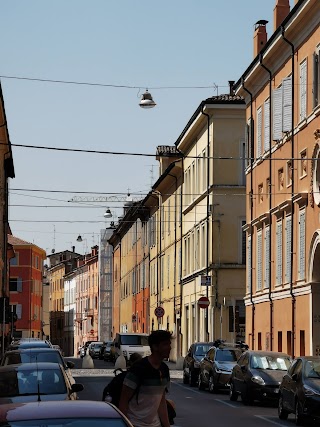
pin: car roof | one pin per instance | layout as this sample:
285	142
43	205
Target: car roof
57	409
33	350
29	366
266	353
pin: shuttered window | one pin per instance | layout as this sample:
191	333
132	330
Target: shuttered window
19	311
316	79
288	248
259	133
287	104
303	90
249	264
266	124
277	114
279	253
248	143
302	244
259	260
266	256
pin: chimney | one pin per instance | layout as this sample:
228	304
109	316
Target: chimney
73	248
231	83
260	36
280	12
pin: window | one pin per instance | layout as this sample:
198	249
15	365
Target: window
15	284
279	253
303	163
316	79
15	260
280	341
289	173
267	257
280	179
282	109
302	243
260	193
259	132
266	122
259	260
168	216
249	263
248	141
288	248
303	90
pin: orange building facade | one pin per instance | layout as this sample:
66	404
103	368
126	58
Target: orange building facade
282	93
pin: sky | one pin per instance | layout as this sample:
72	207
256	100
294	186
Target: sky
183	51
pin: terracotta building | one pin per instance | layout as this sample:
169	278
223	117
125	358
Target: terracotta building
281	87
26	271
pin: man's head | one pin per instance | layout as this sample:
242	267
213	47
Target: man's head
160	343
134	357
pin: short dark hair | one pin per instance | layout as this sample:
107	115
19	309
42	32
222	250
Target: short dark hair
156	337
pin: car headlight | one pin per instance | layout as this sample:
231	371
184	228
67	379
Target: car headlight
196	364
308	391
258	380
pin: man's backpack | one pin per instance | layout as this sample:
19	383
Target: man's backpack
113	389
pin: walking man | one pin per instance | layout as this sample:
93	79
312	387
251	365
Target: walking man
143	392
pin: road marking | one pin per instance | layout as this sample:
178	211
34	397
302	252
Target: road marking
227	403
186	388
269	421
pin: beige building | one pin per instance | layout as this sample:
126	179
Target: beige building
213	213
282	94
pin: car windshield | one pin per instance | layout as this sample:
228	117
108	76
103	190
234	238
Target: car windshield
59	422
202	349
52	357
134	340
275	363
17	383
312	369
223	355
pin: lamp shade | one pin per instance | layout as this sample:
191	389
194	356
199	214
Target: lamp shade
107	213
147	100
79	238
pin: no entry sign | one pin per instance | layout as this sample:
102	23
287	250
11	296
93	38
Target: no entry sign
203	302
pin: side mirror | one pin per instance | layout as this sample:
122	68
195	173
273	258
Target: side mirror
75	388
70	365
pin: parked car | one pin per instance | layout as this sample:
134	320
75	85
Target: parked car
31	382
216	367
29	343
300	390
71	413
257	375
127	343
36	355
94	349
191	363
105	352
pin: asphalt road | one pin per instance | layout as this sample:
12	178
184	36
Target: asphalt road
194	408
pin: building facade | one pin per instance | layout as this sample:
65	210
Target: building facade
25	285
282	93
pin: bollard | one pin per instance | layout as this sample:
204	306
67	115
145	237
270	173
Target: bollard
87	362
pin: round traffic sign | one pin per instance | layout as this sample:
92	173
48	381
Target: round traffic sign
159	312
92	331
203	302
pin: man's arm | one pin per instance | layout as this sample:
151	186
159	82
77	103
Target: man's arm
126	395
163	412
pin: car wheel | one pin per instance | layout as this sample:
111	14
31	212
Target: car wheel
233	396
192	378
212	387
298	415
200	383
246	398
185	378
282	413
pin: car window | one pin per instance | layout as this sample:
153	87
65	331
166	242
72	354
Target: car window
202	349
275	363
210	354
223	355
134	340
312	369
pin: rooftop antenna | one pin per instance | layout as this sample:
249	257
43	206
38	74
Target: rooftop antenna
54	239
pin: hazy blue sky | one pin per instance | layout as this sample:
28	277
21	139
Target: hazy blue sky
140	43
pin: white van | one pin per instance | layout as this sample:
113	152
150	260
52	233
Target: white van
128	343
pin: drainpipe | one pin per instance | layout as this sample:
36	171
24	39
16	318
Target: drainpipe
270	201
208	207
292	193
181	246
251	208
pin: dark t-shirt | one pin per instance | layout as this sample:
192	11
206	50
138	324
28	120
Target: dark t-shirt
150	384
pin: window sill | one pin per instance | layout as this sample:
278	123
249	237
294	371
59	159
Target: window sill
302	124
316	110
